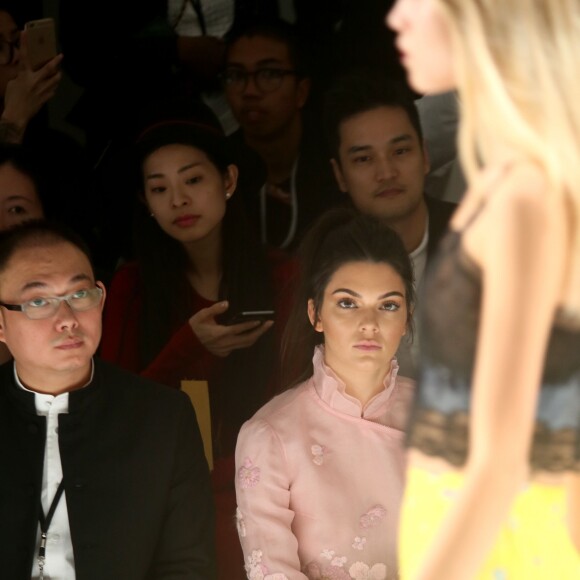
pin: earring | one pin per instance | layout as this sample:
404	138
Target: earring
228	195
152	214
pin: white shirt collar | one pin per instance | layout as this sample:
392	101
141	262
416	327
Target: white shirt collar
424	241
41	397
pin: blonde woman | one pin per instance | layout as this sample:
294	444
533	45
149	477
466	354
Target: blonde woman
494	472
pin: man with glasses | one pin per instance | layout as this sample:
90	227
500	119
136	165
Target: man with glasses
104	474
267	88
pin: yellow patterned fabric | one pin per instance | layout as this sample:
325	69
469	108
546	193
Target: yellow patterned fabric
533	543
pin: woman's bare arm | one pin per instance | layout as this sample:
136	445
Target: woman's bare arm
520	244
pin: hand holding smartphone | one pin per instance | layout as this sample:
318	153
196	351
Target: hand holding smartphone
249	316
40	42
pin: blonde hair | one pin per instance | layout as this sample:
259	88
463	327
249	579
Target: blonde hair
518	76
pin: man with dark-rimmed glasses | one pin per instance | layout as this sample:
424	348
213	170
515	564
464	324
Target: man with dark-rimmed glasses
104	474
267	86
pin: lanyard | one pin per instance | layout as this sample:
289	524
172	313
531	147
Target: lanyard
45	524
293	208
196	5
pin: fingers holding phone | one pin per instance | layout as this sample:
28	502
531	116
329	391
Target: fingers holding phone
38	50
38	42
38	75
250	316
222	339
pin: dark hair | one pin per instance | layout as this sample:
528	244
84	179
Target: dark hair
26	163
339	236
275	29
361	91
37	234
167	292
184	121
14	9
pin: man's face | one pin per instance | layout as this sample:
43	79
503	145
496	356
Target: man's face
264	114
8	33
55	349
382	164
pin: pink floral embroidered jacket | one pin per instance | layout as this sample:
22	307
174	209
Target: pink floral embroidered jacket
319	481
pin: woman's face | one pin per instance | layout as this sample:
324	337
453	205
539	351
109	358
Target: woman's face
8	33
185	192
363	315
19	201
424	42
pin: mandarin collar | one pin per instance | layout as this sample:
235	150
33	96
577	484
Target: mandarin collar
332	390
79	399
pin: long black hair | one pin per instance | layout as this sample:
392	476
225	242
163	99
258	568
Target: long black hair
339	236
168	296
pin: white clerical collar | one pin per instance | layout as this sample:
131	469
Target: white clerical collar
21	385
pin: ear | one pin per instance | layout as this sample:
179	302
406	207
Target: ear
231	179
2	334
338	175
426	160
303	90
316	322
102	287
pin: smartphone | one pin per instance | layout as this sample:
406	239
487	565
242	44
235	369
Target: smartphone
40	41
249	315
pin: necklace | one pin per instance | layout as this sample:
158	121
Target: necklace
293	209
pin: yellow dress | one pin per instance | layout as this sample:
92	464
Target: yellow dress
534	542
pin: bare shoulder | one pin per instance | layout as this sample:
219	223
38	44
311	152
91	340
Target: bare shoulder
525	187
498	187
521	212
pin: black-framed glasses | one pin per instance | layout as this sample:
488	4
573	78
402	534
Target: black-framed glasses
7	48
267	79
46	306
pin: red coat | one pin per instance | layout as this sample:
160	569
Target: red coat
184	357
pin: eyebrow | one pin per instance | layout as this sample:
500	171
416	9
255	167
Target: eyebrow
357	295
405	138
261	63
180	170
37	284
17	197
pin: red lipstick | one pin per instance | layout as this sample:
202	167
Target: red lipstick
186	221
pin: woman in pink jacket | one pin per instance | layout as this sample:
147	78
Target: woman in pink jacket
320	468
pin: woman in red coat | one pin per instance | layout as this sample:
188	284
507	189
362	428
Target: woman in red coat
197	266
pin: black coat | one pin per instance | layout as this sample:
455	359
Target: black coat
136	480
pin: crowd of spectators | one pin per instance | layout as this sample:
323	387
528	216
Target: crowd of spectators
214	135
